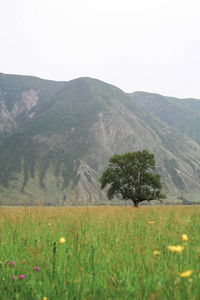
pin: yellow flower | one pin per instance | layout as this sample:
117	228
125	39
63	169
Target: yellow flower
49	224
44	298
184	238
185	274
151	222
62	240
175	248
156	253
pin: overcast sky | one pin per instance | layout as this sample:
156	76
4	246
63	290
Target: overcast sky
137	45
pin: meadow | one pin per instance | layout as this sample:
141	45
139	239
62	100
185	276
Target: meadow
100	253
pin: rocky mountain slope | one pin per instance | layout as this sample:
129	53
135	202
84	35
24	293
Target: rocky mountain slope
19	98
57	137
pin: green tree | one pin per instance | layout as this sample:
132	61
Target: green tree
128	175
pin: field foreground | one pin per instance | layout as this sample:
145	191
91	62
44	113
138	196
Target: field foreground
100	253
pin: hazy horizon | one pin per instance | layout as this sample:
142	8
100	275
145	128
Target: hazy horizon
150	46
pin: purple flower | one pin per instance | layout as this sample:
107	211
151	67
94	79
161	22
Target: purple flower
21	276
23	262
37	269
14	277
11	263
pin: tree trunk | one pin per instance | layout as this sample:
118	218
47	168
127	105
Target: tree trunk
135	203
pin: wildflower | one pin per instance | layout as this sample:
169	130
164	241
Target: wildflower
44	298
62	240
14	277
37	269
21	276
11	263
151	222
184	238
156	253
175	248
49	224
185	274
23	262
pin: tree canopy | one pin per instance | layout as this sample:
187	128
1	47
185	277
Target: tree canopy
130	175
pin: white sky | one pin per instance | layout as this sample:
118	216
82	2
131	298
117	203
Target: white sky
146	45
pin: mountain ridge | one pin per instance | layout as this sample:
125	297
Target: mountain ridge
177	113
58	153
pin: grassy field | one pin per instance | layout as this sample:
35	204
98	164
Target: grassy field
105	253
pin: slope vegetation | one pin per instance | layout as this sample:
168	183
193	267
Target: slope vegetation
181	114
57	148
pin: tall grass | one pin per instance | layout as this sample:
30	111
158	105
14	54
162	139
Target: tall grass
108	253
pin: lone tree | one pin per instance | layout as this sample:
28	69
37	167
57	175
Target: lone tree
129	175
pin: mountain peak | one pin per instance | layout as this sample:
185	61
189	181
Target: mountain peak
56	139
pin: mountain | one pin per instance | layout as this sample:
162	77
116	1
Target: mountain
57	137
20	96
181	114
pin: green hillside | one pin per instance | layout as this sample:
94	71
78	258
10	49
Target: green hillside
64	134
181	114
190	103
